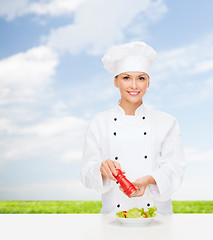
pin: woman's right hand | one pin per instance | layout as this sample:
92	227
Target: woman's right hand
108	168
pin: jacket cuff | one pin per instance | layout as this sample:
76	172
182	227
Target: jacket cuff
154	190
162	186
103	184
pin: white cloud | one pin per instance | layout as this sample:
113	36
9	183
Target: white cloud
55	190
25	75
196	155
59	107
100	24
11	9
198	177
54	126
71	156
54	7
194	190
195	58
58	139
206	89
183	74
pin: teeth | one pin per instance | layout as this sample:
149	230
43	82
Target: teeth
133	93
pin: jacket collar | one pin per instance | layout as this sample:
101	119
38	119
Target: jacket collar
138	112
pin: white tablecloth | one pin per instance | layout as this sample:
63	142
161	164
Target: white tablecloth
97	226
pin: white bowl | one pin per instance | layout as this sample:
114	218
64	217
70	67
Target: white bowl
135	221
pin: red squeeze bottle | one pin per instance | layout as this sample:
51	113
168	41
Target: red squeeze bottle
125	184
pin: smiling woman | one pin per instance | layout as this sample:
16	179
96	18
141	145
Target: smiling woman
142	142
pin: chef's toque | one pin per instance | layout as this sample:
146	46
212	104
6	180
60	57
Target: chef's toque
129	57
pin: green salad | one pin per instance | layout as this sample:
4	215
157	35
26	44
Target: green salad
137	213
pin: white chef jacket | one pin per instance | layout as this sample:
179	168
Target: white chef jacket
147	143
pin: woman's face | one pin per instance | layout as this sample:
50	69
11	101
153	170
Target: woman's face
132	85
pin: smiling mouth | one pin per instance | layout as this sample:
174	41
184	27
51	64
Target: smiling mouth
133	93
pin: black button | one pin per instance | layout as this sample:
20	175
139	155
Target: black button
145	156
144	133
114	133
148	204
118	205
116	158
117	182
115	119
143	118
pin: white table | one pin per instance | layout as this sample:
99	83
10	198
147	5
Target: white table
98	227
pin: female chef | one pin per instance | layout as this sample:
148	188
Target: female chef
144	143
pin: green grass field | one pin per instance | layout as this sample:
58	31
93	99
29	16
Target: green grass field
61	207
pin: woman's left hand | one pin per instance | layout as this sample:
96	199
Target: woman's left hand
141	184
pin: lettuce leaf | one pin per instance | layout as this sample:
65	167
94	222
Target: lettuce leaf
142	211
151	212
120	214
133	213
136	213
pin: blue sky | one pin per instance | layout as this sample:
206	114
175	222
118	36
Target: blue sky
52	82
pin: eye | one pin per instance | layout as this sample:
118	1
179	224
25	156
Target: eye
142	78
126	77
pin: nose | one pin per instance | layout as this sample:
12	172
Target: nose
134	83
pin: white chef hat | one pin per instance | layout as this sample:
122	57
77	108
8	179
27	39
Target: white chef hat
129	57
